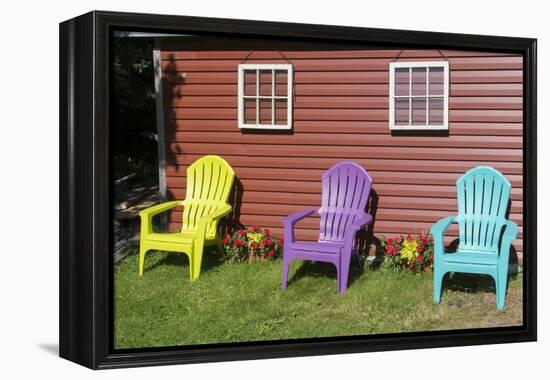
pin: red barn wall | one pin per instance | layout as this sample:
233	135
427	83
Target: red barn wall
341	113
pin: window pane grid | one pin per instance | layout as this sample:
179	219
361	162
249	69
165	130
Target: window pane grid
425	101
264	97
272	108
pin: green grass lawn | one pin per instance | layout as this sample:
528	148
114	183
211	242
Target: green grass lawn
234	302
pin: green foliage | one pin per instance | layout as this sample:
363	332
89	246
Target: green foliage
253	241
413	252
232	302
132	108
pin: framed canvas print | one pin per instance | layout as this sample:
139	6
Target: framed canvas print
237	189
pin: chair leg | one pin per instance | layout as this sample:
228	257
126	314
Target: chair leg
501	281
195	261
142	251
343	277
438	283
286	266
339	279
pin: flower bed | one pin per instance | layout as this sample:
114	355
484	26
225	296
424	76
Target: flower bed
252	244
413	252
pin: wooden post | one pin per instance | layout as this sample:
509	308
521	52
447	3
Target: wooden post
160	126
160	120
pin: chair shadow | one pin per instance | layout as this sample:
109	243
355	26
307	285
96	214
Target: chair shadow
211	258
319	269
474	283
469	283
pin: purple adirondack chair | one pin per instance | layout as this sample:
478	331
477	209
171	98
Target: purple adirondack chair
346	190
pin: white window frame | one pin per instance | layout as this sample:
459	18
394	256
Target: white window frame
288	97
411	65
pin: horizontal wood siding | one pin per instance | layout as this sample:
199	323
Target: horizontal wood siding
341	113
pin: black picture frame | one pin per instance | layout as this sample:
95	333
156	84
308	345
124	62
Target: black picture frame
85	259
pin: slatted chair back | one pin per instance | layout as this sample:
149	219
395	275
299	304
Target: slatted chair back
483	195
209	182
346	190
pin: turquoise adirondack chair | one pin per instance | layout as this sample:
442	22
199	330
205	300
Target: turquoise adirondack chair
485	235
209	182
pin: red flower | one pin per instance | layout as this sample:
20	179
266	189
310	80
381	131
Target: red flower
267	233
281	242
400	238
390	241
419	249
254	246
255	228
271	253
266	242
419	258
236	243
388	249
226	240
242	232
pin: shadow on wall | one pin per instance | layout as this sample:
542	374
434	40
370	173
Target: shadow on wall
233	221
171	81
367	243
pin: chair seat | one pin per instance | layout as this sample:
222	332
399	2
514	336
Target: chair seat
177	237
317	246
471	258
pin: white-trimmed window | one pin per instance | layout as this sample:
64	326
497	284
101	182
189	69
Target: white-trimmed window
265	96
419	95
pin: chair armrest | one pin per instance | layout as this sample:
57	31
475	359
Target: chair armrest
438	232
292	219
219	213
510	234
157	209
147	215
214	215
361	222
358	224
510	230
297	216
439	228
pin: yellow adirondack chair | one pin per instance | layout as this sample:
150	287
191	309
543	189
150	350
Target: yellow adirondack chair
209	181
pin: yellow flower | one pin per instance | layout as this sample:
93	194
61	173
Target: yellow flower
254	237
408	251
